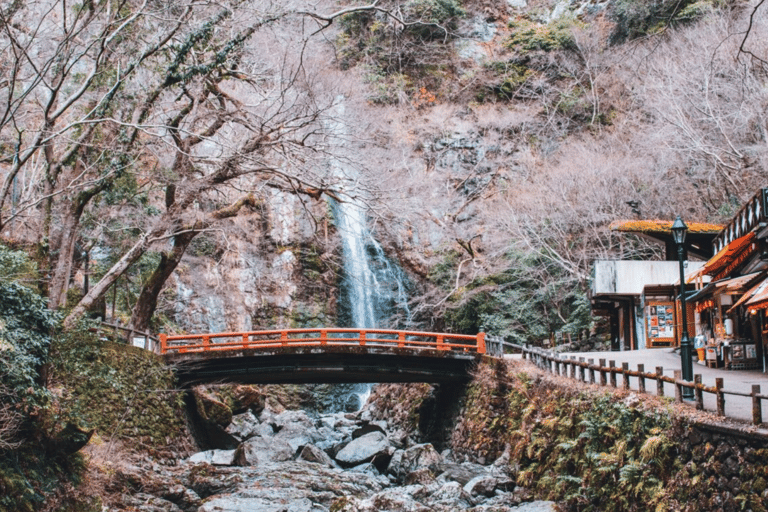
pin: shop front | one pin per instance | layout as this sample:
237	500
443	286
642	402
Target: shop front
724	330
730	312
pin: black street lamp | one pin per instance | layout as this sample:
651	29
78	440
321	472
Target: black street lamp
679	230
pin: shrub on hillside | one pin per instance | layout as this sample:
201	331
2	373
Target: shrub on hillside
529	35
635	18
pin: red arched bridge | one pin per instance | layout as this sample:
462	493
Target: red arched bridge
322	355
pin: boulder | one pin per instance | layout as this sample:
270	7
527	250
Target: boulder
294	419
211	409
399	499
451	494
365	468
330	438
415	458
312	453
461	473
365	449
421	476
187	499
213	457
243	426
148	503
367	429
483	485
207	481
258	449
247	398
265	429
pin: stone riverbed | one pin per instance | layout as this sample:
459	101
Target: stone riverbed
342	462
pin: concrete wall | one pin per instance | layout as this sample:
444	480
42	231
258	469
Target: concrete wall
629	277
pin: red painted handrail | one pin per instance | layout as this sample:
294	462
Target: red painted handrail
321	336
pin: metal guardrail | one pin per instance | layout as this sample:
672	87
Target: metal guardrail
321	337
585	370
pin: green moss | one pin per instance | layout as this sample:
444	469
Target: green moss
511	77
119	390
204	244
530	35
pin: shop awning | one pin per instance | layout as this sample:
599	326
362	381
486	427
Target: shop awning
738	284
731	254
728	286
759	291
701	294
754	299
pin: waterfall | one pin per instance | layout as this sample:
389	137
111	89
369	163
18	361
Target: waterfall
373	292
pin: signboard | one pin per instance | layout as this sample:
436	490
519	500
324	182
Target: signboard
660	316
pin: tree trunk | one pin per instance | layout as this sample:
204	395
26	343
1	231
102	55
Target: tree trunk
147	301
62	254
61	273
100	288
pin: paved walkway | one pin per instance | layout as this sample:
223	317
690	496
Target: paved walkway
736	407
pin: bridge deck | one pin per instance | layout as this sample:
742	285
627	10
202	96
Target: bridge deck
322	356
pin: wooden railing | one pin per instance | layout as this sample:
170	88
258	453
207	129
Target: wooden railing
586	370
129	336
321	337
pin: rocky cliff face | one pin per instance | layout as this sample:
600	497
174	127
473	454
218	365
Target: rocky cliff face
274	268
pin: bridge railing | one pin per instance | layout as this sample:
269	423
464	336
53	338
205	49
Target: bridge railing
320	337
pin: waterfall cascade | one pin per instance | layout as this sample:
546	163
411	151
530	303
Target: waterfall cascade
373	292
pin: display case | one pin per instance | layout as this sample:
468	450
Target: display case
660	316
743	355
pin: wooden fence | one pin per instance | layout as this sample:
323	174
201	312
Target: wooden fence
132	337
607	374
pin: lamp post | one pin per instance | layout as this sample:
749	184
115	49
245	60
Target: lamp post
679	230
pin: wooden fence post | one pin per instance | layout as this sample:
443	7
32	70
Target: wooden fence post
678	387
625	373
699	394
641	378
757	409
720	396
591	370
602	372
612	369
659	382
582	376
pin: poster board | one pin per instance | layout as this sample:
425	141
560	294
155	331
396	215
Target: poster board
660	318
